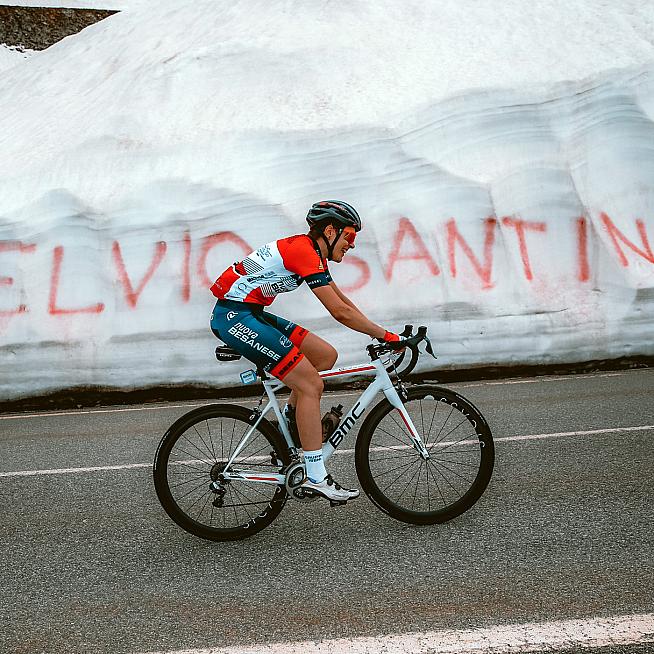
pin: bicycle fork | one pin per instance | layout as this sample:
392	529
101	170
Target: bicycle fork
394	398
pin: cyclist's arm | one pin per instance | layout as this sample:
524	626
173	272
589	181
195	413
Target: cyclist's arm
343	296
346	313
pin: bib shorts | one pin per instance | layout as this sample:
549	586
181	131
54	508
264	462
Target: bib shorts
270	342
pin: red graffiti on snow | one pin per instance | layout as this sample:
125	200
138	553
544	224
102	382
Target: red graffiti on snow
13	246
364	273
616	236
210	242
583	272
131	295
53	308
520	227
186	269
417	252
484	271
407	245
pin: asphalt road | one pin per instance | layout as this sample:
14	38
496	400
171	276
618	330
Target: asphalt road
91	563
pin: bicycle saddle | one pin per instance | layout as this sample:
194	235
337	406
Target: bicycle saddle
225	353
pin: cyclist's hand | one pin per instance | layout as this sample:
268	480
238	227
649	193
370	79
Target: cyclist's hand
390	337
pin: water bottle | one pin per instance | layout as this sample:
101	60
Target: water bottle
330	421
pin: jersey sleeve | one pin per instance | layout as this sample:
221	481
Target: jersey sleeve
300	258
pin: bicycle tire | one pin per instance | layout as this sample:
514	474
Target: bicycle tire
461	467
196	459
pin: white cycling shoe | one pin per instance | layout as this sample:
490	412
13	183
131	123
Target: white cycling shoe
330	490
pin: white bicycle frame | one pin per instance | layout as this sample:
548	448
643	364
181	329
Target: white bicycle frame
381	383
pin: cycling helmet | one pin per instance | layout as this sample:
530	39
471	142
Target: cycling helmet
337	211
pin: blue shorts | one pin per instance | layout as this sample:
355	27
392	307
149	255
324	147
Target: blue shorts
270	342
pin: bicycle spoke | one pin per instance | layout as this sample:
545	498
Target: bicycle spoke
213	450
188	473
231	439
222	443
464	421
184	483
396	478
406	487
403	429
185	464
231	492
428	497
186	438
443	476
203	443
462	440
387	472
417	484
433	417
245	506
199	499
438	487
409	455
454	472
265	446
204	506
457	463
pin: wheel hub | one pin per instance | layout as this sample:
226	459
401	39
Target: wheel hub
216	471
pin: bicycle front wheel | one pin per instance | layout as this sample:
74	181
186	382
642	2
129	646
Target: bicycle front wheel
191	457
425	491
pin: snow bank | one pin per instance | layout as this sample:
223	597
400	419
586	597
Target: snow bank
502	159
11	55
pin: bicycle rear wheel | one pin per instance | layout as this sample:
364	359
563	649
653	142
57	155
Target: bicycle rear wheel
406	486
193	453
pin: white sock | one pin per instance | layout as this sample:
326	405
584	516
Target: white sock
315	465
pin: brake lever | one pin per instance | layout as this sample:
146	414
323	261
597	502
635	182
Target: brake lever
428	348
411	343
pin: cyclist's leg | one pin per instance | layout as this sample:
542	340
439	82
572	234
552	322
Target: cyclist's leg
319	352
307	386
321	355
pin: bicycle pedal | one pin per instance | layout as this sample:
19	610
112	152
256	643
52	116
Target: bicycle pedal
337	502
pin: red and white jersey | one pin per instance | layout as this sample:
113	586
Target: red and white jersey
277	267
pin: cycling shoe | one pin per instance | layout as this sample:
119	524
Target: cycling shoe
330	490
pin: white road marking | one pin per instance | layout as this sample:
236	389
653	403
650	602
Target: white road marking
54	414
500	639
524	437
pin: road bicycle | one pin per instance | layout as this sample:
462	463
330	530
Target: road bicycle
423	454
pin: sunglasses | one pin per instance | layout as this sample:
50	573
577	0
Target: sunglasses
349	237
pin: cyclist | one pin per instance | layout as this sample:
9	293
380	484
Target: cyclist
283	348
